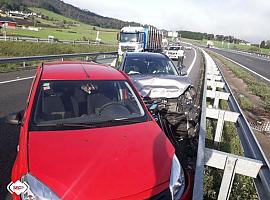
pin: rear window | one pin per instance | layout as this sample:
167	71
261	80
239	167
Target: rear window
149	66
175	48
79	104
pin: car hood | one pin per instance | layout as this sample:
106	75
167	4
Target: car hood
102	163
161	86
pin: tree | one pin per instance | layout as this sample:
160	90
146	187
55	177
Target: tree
262	44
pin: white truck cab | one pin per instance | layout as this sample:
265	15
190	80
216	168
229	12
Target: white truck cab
131	39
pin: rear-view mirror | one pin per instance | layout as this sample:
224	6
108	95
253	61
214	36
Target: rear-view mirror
14	119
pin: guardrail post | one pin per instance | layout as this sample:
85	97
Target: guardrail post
24	64
219	128
221	116
231	164
227	179
217	96
215	84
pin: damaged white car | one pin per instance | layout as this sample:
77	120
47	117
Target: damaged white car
170	96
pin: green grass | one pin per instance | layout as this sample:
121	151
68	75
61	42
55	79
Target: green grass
226	45
243	187
77	31
245	103
17	49
256	86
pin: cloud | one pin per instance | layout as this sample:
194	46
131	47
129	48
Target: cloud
245	19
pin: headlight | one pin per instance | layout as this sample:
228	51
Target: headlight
37	190
177	179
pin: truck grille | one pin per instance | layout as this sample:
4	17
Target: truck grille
127	48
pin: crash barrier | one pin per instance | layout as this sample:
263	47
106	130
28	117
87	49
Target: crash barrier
105	58
48	40
254	164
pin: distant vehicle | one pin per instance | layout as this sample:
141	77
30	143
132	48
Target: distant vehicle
176	52
188	47
209	44
139	39
87	134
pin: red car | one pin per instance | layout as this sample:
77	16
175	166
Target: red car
86	134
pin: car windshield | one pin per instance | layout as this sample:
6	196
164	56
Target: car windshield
149	65
85	103
129	37
174	48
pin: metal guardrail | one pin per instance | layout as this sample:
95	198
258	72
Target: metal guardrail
259	166
31	39
54	57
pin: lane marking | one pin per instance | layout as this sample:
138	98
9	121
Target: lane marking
15	80
193	62
266	79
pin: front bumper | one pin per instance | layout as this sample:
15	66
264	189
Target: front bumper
166	194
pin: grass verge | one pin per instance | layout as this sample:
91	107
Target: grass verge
17	49
256	86
226	45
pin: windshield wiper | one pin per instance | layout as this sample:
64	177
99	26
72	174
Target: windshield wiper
63	124
90	124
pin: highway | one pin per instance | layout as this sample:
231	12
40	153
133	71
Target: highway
14	87
259	65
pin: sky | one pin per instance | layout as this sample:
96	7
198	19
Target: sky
244	19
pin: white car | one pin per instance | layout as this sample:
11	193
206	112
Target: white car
176	52
188	47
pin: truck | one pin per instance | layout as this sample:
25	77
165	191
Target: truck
139	39
209	44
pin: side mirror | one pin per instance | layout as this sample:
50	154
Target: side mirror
14	119
183	73
152	108
118	38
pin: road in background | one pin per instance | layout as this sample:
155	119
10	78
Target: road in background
13	98
257	64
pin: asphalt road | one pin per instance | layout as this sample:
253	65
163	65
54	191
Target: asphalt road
12	100
257	64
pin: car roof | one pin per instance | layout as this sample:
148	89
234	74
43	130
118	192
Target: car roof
145	55
76	70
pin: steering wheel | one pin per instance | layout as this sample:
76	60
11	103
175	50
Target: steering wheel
110	104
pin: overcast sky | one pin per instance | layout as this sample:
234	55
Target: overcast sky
244	19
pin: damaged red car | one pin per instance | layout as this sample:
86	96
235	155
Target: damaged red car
86	134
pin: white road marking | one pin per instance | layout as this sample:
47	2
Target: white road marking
15	80
268	80
193	62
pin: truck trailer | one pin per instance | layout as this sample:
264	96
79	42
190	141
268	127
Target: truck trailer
139	39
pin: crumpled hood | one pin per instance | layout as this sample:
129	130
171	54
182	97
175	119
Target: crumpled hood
161	86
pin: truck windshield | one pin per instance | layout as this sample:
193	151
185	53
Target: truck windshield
85	103
129	37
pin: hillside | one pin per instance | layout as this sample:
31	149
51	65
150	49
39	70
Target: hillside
63	28
73	12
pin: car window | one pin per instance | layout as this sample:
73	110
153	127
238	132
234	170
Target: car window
89	102
174	48
136	65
